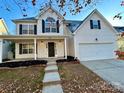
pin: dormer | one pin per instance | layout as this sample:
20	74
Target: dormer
50	22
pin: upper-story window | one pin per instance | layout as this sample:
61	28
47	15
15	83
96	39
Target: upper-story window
95	24
27	29
50	25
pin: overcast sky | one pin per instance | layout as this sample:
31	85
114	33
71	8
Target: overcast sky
108	8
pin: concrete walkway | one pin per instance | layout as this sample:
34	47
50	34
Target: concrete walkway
52	81
111	70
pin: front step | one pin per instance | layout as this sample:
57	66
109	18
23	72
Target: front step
51	78
51	68
51	63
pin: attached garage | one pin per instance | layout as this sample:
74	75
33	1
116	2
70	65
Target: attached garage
95	39
95	51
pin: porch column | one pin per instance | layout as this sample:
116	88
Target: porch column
65	47
35	49
1	50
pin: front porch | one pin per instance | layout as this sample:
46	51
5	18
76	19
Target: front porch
38	47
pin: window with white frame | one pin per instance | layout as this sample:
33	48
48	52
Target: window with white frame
95	24
24	29
27	29
31	29
27	48
50	25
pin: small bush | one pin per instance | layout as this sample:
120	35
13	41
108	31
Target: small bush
120	54
23	63
69	59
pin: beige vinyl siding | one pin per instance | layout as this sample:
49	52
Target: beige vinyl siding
42	49
20	56
70	41
71	46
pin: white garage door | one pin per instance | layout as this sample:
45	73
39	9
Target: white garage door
96	51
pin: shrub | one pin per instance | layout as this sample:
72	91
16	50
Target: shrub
23	63
69	59
120	54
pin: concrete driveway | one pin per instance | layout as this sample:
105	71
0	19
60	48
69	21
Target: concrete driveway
111	70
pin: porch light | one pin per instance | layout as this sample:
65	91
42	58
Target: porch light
96	39
60	41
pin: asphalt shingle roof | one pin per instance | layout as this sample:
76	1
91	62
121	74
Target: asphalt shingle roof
72	24
119	29
29	18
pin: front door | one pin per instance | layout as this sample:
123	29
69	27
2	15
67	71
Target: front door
51	49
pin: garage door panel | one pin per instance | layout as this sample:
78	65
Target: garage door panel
96	51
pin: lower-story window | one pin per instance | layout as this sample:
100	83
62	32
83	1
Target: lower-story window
27	48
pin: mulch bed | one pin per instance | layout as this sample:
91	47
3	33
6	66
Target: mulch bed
76	78
120	58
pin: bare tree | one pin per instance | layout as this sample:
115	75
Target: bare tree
73	6
119	15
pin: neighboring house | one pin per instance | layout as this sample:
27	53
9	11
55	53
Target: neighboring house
49	35
120	40
4	45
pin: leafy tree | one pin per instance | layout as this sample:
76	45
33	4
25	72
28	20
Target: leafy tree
73	6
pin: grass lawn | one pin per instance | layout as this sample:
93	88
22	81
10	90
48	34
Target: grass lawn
76	78
21	80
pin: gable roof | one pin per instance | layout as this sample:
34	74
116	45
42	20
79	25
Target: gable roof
89	16
34	19
73	25
47	8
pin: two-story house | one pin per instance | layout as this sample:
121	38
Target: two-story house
49	35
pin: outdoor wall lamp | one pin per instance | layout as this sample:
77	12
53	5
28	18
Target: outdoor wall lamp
96	39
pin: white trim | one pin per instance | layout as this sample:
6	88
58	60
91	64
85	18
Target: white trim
96	43
35	49
95	24
65	47
50	27
27	43
28	31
